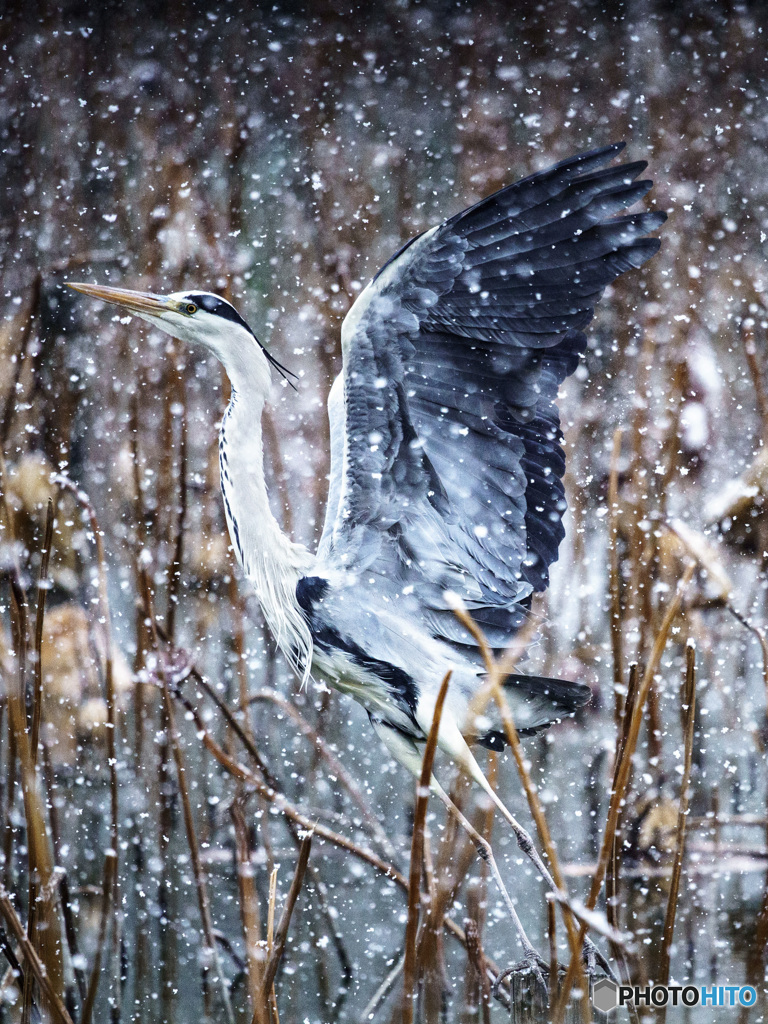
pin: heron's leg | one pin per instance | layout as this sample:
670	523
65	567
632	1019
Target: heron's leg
410	754
454	744
485	852
457	748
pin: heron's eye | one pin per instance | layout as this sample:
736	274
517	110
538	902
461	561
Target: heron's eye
191	308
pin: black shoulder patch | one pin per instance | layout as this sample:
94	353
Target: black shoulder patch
310	590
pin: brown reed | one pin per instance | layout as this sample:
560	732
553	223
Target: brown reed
689	707
417	853
622	778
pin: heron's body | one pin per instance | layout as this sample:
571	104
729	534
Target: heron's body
446	465
446	468
365	632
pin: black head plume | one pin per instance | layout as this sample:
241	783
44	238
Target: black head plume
220	307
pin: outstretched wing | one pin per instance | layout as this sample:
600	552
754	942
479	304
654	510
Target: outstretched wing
447	469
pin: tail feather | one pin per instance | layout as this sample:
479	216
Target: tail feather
536	702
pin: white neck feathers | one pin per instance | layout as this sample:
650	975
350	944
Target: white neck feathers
272	563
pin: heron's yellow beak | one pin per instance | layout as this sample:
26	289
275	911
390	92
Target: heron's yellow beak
136	302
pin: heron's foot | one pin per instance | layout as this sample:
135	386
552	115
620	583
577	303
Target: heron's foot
532	965
593	959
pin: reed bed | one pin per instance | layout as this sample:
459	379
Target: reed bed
183	833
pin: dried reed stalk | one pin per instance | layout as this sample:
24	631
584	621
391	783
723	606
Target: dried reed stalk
622	778
496	672
201	886
239	645
617	644
37	710
762	639
15	970
456	856
269	792
19	604
249	911
67	904
108	886
140	542
231	765
271	997
756	953
277	945
105	620
178	393
689	703
56	1006
381	993
613	870
42	591
332	926
12	398
554	968
417	850
46	938
335	765
17	748
272	795
476	959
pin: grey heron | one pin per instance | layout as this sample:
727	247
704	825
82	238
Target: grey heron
446	459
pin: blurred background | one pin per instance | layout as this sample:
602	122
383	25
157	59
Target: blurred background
278	154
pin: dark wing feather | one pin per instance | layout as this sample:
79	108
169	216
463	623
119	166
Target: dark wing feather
451	470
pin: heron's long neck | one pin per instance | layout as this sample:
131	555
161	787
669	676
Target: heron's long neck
272	563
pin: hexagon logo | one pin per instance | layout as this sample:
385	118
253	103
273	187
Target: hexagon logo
605	995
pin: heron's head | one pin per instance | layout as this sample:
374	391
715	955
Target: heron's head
202	319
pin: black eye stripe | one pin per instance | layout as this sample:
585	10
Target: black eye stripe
220	307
